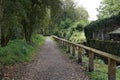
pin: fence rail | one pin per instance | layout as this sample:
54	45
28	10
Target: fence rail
112	59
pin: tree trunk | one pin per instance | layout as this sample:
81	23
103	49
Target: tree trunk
5	38
28	34
1	16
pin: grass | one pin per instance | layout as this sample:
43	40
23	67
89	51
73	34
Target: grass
101	69
38	40
18	51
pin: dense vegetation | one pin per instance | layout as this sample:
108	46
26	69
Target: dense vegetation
21	18
108	23
102	24
108	19
108	8
18	51
71	21
112	47
20	22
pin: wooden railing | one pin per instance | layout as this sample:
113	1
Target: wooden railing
112	59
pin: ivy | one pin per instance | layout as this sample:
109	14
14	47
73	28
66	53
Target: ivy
112	47
97	25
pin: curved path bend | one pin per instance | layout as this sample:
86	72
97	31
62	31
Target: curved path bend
51	64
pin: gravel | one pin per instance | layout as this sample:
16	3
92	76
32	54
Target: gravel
50	64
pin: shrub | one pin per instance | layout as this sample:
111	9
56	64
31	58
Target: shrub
18	51
111	47
98	25
38	40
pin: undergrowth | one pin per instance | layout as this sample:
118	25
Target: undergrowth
18	51
38	40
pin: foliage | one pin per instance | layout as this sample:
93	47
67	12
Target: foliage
69	16
111	47
76	32
18	51
77	37
38	39
46	23
79	27
21	18
108	8
97	25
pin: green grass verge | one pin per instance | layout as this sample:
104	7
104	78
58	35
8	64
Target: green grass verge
101	69
38	40
18	51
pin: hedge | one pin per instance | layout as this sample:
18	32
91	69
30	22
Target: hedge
97	25
112	47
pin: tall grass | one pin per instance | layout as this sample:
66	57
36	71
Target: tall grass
18	51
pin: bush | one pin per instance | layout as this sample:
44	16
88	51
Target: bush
102	24
80	27
38	40
18	51
77	37
111	47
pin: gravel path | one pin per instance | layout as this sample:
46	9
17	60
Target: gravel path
51	64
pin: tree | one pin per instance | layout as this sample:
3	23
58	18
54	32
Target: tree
8	21
24	17
108	8
37	14
34	14
69	15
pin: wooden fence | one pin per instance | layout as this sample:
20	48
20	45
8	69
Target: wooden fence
112	59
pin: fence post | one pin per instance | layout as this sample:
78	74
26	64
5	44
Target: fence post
73	50
68	50
66	47
91	61
79	55
63	44
111	69
59	41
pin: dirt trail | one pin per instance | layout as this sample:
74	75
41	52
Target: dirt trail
50	64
